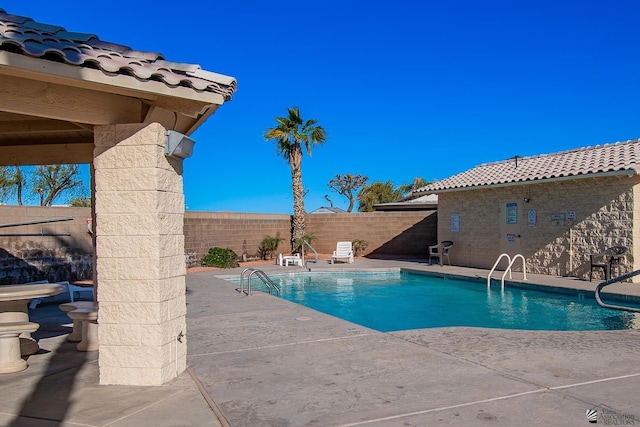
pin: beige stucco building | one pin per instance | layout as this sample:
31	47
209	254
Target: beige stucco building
554	209
68	97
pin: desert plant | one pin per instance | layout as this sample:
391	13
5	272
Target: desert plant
220	257
359	246
269	246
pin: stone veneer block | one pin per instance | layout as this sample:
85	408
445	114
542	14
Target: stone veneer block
142	290
123	335
135	356
136	313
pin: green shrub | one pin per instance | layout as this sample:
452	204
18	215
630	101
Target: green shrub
269	246
219	257
359	246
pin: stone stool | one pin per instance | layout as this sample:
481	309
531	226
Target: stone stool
76	334
10	357
89	319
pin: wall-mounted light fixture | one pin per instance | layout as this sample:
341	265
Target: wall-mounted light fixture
177	145
525	199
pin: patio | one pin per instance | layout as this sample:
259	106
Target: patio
265	361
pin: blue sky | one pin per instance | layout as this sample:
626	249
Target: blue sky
404	89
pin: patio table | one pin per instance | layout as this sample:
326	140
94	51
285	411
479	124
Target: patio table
14	301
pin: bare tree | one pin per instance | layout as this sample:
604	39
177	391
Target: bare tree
348	186
51	181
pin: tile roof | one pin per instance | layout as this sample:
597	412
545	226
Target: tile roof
22	35
577	163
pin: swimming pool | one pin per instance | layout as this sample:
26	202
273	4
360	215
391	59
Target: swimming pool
402	300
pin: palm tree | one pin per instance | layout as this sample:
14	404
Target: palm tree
289	135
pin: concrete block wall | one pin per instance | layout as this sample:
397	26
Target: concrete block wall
242	232
45	251
392	233
604	208
26	259
387	233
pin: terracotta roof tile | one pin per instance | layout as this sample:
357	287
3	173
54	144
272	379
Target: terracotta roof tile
587	161
19	34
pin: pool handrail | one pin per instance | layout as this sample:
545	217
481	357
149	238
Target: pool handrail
524	268
496	264
304	242
271	286
610	282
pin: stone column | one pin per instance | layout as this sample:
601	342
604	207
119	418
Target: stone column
140	263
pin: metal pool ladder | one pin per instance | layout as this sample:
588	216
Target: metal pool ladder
304	242
610	282
260	275
508	269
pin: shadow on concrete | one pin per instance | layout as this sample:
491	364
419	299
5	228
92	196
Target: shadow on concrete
50	400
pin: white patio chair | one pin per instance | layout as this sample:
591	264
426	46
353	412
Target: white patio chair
343	251
441	250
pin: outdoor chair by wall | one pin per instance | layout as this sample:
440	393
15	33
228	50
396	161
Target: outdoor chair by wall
71	289
343	250
441	250
607	260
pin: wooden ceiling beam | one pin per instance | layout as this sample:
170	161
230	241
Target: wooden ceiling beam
46	154
52	101
37	126
15	140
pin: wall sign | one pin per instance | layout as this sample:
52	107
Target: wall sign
557	219
511	238
455	222
532	217
512	213
571	216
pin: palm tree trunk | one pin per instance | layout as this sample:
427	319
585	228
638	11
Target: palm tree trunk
19	180
298	222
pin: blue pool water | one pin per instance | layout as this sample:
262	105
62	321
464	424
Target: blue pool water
400	301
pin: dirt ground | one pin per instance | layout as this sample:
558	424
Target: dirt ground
247	264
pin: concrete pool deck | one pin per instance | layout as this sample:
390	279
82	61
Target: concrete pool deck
263	361
271	362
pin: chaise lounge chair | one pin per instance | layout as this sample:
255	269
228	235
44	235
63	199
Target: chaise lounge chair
343	251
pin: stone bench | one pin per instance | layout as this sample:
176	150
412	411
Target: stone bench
89	319
10	356
85	324
76	333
